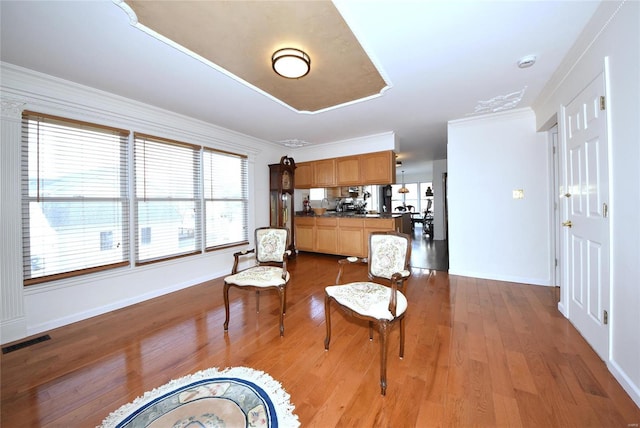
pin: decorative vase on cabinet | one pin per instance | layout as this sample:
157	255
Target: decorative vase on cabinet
281	191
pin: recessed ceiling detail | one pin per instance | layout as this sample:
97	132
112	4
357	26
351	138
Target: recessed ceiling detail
239	38
500	103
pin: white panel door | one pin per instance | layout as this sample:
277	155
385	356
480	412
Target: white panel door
586	231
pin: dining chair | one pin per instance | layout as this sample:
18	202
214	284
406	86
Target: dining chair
379	300
269	270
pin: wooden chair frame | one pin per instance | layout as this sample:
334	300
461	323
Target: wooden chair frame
281	289
396	283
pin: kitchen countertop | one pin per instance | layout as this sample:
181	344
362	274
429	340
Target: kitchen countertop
348	214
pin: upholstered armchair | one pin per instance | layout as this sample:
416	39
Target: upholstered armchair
380	299
268	272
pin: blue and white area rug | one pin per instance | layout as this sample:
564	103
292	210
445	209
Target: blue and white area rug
233	397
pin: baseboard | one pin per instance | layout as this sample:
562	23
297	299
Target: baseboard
79	316
627	384
506	278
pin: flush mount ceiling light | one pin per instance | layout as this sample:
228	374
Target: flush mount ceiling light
291	63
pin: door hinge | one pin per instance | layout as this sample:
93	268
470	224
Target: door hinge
556	262
605	210
603	104
605	317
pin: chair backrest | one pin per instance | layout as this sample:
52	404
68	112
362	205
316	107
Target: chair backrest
271	244
429	204
389	252
410	208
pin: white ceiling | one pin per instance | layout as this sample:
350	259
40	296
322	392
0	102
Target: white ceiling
441	59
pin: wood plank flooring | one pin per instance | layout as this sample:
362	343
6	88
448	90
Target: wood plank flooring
478	353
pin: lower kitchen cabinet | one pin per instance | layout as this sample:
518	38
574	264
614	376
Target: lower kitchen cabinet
345	236
305	233
326	235
351	237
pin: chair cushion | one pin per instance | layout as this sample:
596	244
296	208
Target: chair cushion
258	276
367	298
271	244
387	255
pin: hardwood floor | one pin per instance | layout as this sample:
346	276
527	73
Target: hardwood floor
428	253
478	353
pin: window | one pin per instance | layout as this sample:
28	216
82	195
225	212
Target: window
167	198
402	199
79	194
226	201
424	199
74	187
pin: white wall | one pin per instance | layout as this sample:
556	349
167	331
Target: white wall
614	35
492	235
37	308
353	146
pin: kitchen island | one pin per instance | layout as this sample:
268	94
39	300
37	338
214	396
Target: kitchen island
342	233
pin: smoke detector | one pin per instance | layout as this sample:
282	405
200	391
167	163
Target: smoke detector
527	61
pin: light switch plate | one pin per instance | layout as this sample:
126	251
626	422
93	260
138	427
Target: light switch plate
518	194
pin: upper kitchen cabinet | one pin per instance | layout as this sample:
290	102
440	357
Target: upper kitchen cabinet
348	171
324	173
356	170
304	175
378	168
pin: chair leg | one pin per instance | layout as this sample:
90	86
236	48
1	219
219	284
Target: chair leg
281	292
384	334
327	321
402	337
225	294
370	330
257	301
284	308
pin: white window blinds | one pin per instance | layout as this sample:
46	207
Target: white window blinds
75	203
226	198
167	198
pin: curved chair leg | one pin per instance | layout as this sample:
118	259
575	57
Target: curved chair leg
327	321
257	301
225	294
284	308
402	337
281	292
371	330
384	334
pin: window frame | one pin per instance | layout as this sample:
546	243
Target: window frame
55	132
128	199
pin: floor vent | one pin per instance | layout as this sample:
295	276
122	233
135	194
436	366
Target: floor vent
24	344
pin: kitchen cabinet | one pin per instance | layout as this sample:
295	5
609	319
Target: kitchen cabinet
357	170
347	236
326	235
304	175
351	237
324	173
378	168
305	233
348	171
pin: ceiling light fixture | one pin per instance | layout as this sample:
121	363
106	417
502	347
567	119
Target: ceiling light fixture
403	189
527	61
291	63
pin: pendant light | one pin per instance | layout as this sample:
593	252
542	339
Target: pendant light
403	189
